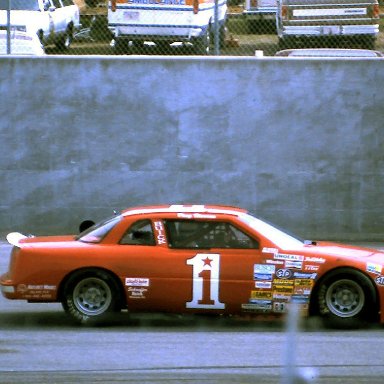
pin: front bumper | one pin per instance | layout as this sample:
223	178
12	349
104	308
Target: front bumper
7	287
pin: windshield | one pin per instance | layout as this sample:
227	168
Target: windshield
24	5
98	231
279	238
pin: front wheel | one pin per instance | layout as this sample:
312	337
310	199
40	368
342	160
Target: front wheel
66	40
346	299
201	44
91	296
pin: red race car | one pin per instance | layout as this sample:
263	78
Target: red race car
195	259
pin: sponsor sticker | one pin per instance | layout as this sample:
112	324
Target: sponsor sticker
262	276
137	293
379	280
259	306
263	268
319	260
311	268
374	268
293	264
283	256
303	286
261	295
284	273
136	282
270	250
301	275
280	306
276	262
263	284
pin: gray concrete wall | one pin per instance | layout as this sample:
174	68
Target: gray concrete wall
297	142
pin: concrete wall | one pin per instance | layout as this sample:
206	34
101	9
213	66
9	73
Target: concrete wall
297	142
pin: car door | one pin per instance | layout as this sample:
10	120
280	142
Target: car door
221	261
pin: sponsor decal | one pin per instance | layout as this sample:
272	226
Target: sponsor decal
276	262
300	299
379	280
303	286
262	276
263	271
293	264
311	267
136	282
196	216
281	296
38	291
301	275
160	233
261	295
270	250
263	268
284	273
137	293
21	288
257	306
311	259
374	268
282	289
282	282
282	256
263	284
31	287
279	306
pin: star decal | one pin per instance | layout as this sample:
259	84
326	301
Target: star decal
207	261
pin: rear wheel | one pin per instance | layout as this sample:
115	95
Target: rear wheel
91	296
66	40
121	46
346	298
201	44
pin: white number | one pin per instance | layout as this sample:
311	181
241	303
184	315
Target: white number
205	288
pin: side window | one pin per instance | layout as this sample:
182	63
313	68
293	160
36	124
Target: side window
207	234
140	233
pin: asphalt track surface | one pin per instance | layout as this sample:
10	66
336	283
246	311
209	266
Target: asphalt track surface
38	344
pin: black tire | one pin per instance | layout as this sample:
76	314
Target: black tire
346	298
285	43
91	296
66	40
121	46
201	44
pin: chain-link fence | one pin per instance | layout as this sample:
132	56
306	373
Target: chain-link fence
185	27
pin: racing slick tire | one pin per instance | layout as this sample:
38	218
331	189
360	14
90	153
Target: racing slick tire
91	296
346	298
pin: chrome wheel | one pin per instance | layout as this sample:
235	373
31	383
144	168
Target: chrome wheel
92	296
345	298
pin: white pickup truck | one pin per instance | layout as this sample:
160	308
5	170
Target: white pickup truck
54	21
312	23
166	21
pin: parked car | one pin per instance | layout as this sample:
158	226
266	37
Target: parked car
195	259
20	43
328	52
53	21
321	23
